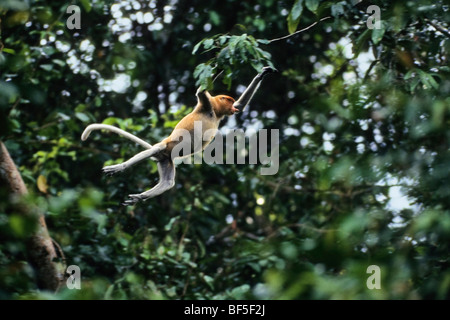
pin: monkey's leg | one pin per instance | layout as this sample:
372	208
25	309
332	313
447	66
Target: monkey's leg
139	157
166	169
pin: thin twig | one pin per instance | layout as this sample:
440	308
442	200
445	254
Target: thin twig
300	226
299	31
372	65
60	252
218	75
438	27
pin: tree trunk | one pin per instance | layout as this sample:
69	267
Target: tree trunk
40	249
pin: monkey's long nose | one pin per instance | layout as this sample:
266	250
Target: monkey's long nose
237	106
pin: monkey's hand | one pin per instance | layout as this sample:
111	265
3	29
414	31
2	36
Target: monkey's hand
110	170
200	90
266	70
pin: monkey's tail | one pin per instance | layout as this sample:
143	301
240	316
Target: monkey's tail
98	126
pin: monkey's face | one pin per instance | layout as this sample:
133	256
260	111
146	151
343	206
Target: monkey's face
225	105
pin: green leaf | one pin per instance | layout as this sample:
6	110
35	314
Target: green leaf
312	5
199	69
8	90
46	67
169	226
209	281
59	62
110	120
196	47
232	45
109	292
427	80
48	50
15	5
408	74
297	9
21	226
220	197
81	116
360	42
263	41
80	107
337	9
208	43
293	18
98	101
239	292
8	50
203	72
377	34
214	17
223	40
86	5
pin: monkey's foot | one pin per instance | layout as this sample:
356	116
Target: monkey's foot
134	198
110	170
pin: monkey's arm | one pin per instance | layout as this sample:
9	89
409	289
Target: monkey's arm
247	96
203	98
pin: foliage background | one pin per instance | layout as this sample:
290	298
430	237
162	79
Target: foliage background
364	148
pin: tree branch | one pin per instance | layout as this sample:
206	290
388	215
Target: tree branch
438	27
40	249
299	31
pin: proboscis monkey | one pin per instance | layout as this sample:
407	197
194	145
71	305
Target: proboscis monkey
210	110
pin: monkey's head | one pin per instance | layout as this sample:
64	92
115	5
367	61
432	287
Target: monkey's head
223	106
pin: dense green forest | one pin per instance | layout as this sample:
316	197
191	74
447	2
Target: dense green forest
361	101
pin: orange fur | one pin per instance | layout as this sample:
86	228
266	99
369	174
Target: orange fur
209	111
221	106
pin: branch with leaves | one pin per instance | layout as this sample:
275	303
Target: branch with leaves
232	50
